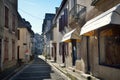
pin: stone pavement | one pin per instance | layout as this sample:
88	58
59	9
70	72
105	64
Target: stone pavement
5	75
71	73
38	70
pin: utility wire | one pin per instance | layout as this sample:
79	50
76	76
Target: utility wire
35	17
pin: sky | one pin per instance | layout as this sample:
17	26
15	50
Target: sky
34	11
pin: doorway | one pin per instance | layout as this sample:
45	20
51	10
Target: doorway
63	53
54	52
18	49
88	55
74	52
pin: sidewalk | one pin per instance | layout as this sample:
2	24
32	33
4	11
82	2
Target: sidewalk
56	67
6	74
70	73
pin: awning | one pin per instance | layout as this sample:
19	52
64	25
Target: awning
111	16
71	35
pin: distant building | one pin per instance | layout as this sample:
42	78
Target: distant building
48	35
39	43
25	40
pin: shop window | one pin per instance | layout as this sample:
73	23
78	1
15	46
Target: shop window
109	47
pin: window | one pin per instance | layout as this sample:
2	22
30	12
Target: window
13	22
63	22
66	17
6	17
72	3
13	49
60	48
18	32
60	24
109	47
51	35
6	49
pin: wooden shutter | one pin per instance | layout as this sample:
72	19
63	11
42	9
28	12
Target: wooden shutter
13	22
66	17
60	24
6	17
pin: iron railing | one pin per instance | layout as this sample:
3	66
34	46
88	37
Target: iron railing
76	12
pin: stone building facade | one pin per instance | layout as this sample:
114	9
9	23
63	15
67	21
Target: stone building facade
96	50
100	43
25	40
8	32
47	33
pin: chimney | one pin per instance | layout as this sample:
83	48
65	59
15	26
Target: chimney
57	8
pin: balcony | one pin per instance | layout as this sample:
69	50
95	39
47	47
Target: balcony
77	15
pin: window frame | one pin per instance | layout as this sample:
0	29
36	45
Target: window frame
6	49
6	17
99	52
13	49
13	22
18	34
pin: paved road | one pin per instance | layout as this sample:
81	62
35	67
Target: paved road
38	70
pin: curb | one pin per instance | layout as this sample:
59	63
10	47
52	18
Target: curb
59	71
56	69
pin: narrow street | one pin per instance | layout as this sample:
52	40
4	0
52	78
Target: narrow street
38	70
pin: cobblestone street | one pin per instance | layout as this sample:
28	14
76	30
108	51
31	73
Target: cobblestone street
38	70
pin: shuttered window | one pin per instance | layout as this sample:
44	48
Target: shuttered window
60	24
18	34
13	22
13	49
6	17
6	50
63	22
66	17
